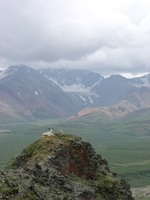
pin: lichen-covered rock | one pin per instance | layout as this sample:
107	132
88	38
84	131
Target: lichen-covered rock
61	167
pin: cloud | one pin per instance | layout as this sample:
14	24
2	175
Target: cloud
106	36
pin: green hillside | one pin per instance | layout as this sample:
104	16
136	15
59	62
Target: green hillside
124	143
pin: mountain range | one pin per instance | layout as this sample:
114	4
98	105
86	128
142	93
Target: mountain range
29	94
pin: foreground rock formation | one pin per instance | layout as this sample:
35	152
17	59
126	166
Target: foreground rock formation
61	167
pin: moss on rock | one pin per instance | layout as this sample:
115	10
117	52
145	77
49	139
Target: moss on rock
61	166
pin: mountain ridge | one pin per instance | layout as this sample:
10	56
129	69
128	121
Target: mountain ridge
113	112
102	91
28	94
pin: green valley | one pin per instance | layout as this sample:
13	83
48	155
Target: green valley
123	142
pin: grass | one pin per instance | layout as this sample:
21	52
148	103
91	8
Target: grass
124	144
129	159
142	198
12	143
141	193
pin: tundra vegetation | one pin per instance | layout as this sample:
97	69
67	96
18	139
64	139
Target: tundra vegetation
124	144
61	166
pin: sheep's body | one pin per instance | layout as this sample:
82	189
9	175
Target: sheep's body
49	133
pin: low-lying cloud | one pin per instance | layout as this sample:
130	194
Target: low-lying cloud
105	36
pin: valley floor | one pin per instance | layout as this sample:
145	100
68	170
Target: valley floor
126	149
142	193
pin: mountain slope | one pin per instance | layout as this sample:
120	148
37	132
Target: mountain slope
111	112
61	167
78	83
29	94
91	89
110	120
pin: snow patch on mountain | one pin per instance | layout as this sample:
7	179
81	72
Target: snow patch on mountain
91	100
145	82
81	97
76	87
79	88
36	93
12	69
4	74
141	85
142	82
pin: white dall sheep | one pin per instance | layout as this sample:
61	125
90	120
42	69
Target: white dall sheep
49	133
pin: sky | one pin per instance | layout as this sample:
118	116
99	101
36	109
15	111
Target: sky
106	36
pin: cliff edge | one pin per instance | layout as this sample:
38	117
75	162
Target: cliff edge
61	167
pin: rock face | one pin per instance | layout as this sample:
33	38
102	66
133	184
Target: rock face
61	167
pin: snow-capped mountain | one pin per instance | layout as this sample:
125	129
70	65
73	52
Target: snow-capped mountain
26	93
79	83
142	81
92	89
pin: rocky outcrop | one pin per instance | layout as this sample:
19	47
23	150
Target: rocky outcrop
61	167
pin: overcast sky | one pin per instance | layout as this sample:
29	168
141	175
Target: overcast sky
107	36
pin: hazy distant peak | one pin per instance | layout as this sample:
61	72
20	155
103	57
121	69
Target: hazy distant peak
12	70
142	81
19	67
117	77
